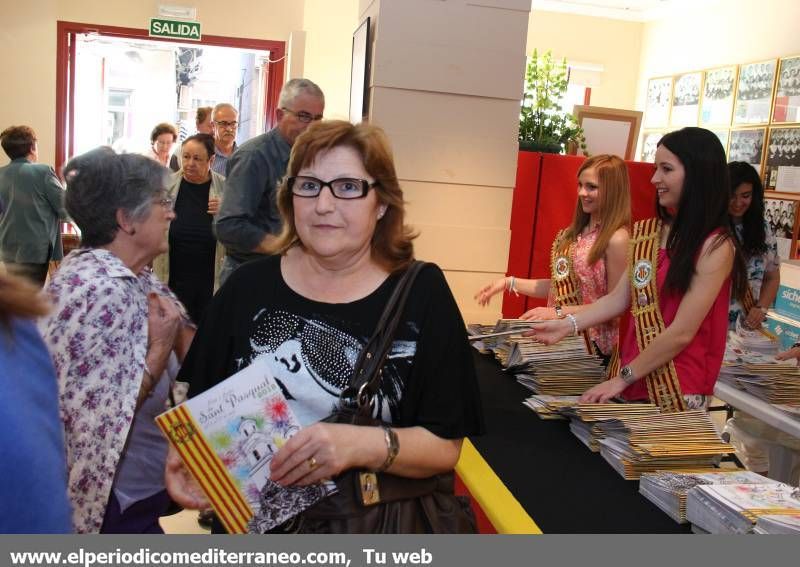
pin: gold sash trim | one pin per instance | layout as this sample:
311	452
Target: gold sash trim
663	387
748	301
563	279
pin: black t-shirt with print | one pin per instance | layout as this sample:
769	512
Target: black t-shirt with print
429	379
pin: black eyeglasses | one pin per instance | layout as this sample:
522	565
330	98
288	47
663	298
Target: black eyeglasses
344	188
226	125
304	116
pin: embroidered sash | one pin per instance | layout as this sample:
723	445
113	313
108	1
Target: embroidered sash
663	387
563	279
566	290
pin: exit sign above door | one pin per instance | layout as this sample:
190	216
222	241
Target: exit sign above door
175	29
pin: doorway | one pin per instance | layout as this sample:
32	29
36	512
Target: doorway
115	84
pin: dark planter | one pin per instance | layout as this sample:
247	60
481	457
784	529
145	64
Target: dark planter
537	146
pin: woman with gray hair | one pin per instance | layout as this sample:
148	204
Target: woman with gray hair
112	335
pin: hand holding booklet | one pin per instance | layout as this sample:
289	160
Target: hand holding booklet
227	437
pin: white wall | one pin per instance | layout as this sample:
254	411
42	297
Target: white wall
718	32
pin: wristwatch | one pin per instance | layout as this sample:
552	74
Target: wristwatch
559	312
627	375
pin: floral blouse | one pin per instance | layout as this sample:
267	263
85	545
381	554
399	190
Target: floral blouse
757	266
97	335
594	285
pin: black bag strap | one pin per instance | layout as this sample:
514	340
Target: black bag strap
368	369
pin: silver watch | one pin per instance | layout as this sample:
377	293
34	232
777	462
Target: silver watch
627	375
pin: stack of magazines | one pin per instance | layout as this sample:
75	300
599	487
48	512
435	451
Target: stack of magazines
682	440
583	419
548	407
753	340
788	524
774	381
668	489
562	369
735	508
584	416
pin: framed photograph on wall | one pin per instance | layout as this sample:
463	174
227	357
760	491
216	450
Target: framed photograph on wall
723	134
649	143
780	212
747	145
754	92
657	103
787	93
782	169
359	74
716	107
686	100
609	130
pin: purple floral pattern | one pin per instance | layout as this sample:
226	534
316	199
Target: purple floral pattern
97	335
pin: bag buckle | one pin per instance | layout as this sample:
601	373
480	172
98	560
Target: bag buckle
370	494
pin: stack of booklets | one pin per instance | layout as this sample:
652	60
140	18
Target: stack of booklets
735	508
583	419
668	489
682	440
562	369
774	381
788	524
227	437
547	407
757	340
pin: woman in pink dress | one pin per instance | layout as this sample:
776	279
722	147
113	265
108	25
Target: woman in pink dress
588	257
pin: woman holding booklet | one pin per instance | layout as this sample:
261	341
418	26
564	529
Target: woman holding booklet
588	257
311	308
678	286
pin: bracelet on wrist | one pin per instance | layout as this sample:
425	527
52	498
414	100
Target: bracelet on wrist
392	447
511	285
574	322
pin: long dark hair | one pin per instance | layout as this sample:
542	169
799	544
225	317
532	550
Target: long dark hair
754	236
703	206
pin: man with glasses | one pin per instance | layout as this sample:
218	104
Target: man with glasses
248	218
225	119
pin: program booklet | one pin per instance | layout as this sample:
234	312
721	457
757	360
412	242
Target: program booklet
227	437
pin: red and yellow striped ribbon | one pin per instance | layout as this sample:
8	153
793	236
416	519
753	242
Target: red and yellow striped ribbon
663	387
185	435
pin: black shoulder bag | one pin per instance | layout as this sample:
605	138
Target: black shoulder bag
377	502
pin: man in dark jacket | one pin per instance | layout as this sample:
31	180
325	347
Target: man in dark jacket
31	207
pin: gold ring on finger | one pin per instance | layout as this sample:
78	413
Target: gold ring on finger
312	463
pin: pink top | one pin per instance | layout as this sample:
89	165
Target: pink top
698	364
593	285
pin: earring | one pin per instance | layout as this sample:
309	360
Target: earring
381	212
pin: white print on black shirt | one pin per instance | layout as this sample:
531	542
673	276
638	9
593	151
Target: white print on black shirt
313	361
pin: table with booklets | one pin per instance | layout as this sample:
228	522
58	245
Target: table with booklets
561	484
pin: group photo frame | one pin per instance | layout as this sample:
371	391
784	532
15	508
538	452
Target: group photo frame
686	99
650	141
755	87
786	108
782	164
718	95
747	145
658	102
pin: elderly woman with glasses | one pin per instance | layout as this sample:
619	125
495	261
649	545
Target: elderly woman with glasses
116	335
310	308
191	266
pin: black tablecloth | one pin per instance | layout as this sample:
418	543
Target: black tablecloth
563	486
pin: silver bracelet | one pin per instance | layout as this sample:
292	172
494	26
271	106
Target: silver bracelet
574	322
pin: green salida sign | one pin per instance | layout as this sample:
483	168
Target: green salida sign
175	29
